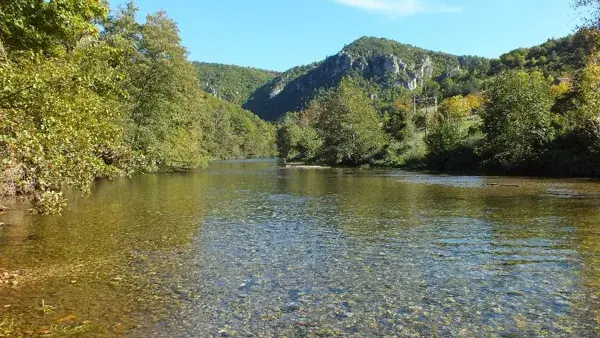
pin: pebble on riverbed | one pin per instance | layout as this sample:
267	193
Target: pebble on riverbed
9	278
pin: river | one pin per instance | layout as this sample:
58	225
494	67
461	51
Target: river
251	248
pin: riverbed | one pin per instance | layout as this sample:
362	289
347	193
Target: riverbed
253	248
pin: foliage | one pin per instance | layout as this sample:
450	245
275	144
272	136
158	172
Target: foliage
450	75
232	83
340	128
588	93
555	57
48	26
62	123
76	105
451	142
231	132
517	121
297	141
593	20
349	126
455	107
166	99
443	136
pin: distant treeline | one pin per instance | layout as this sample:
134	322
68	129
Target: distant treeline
439	75
534	116
86	95
232	83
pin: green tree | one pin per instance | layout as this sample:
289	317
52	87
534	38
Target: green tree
297	137
399	121
349	126
48	26
517	121
62	123
76	105
443	137
593	19
166	100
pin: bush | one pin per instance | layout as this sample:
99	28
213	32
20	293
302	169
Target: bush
517	121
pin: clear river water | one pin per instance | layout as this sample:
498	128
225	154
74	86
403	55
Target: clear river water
251	248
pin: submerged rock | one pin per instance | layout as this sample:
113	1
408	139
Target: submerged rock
291	307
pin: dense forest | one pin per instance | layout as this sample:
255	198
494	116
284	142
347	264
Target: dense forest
85	94
386	65
232	83
533	111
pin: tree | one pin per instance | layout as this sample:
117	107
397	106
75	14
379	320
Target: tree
399	122
127	100
48	26
455	108
594	15
444	135
297	140
515	58
475	102
63	123
166	99
517	121
349	126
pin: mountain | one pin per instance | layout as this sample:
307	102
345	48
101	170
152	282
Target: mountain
384	64
233	83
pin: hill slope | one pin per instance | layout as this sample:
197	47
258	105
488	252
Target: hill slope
232	83
388	64
382	62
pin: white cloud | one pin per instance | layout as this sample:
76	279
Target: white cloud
397	8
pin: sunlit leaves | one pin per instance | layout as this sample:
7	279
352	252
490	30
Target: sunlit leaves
349	125
49	26
517	120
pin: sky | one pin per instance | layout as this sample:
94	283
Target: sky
280	34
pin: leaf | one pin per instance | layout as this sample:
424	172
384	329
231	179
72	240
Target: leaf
67	318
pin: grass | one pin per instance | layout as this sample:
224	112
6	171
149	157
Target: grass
7	326
46	308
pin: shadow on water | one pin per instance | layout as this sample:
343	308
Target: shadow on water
249	248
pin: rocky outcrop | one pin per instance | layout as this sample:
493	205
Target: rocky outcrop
427	69
382	62
211	90
276	91
382	65
452	70
292	91
384	69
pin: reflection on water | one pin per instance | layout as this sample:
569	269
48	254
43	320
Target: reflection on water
250	248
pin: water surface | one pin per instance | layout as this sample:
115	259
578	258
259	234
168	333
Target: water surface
253	249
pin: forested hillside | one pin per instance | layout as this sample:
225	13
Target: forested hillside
533	111
85	95
384	65
232	83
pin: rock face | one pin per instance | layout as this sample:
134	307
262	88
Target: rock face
383	69
276	91
382	65
382	62
292	94
211	90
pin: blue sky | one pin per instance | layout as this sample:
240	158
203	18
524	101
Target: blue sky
280	34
